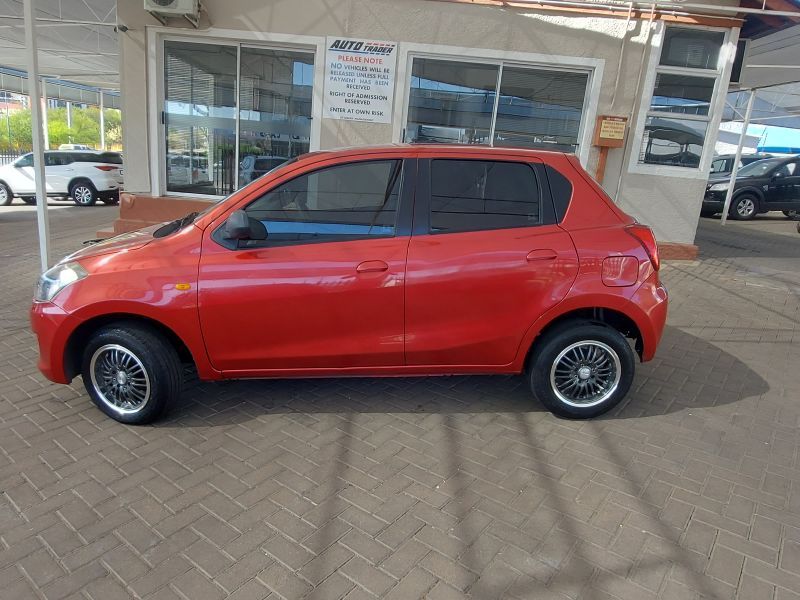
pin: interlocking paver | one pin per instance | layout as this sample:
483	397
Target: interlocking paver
446	487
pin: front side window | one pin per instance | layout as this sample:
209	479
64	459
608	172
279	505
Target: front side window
719	165
350	201
475	195
688	72
500	104
24	161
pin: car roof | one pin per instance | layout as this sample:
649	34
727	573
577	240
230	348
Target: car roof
405	149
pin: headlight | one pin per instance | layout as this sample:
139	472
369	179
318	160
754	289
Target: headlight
718	187
56	279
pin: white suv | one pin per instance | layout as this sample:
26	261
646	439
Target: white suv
84	175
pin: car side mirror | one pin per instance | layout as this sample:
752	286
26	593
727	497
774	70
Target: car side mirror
240	226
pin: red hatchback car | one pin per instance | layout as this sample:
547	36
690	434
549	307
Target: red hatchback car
380	261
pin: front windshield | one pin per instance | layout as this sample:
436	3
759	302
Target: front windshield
758	168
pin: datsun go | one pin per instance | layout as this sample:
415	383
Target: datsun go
381	261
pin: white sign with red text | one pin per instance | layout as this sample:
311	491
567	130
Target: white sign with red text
359	80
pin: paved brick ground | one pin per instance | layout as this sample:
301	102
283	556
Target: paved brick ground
409	488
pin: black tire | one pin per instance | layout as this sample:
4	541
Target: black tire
607	354
744	207
111	201
83	193
6	195
792	214
707	213
149	363
31	200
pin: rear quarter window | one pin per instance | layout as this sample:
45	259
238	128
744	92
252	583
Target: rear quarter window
560	190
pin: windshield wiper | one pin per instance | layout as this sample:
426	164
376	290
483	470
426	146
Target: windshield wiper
175	225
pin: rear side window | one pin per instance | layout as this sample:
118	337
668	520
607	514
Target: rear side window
342	202
112	158
476	195
57	159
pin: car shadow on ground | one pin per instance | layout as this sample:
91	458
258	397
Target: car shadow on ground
675	380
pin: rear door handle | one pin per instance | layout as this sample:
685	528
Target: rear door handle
544	254
372	266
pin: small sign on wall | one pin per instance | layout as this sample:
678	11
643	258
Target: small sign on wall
359	80
610	131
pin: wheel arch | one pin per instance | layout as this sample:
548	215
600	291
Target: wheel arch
598	315
73	349
77	179
757	192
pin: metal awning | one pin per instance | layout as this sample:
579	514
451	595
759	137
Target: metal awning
76	38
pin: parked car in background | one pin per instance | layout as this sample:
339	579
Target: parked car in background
389	260
75	147
762	186
723	164
84	176
251	167
188	169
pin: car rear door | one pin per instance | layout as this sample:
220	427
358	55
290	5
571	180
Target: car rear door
325	289
486	259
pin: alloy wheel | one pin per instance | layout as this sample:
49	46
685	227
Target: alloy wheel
585	373
120	379
82	194
745	207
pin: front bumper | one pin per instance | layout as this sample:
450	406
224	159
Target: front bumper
52	327
714	201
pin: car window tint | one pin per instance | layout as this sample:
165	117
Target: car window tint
56	159
112	158
560	190
718	166
472	195
343	202
25	161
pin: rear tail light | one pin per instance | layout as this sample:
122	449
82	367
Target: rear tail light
648	241
106	167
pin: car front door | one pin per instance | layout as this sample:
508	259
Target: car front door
20	178
783	187
486	259
325	289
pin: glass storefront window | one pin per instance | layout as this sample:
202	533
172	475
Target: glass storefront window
457	102
676	142
199	117
682	94
275	90
677	119
272	93
451	102
540	108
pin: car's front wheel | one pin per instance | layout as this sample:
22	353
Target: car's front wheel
31	200
6	195
83	193
582	370
744	207
132	373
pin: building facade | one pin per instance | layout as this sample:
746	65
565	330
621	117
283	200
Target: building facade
260	82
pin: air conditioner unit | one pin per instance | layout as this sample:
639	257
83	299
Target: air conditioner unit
164	9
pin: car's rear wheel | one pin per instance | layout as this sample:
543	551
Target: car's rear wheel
582	370
131	373
792	214
6	195
83	193
744	207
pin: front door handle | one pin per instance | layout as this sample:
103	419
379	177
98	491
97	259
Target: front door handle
372	266
544	254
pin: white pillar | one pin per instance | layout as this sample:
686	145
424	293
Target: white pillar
735	171
102	124
69	115
36	133
45	131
